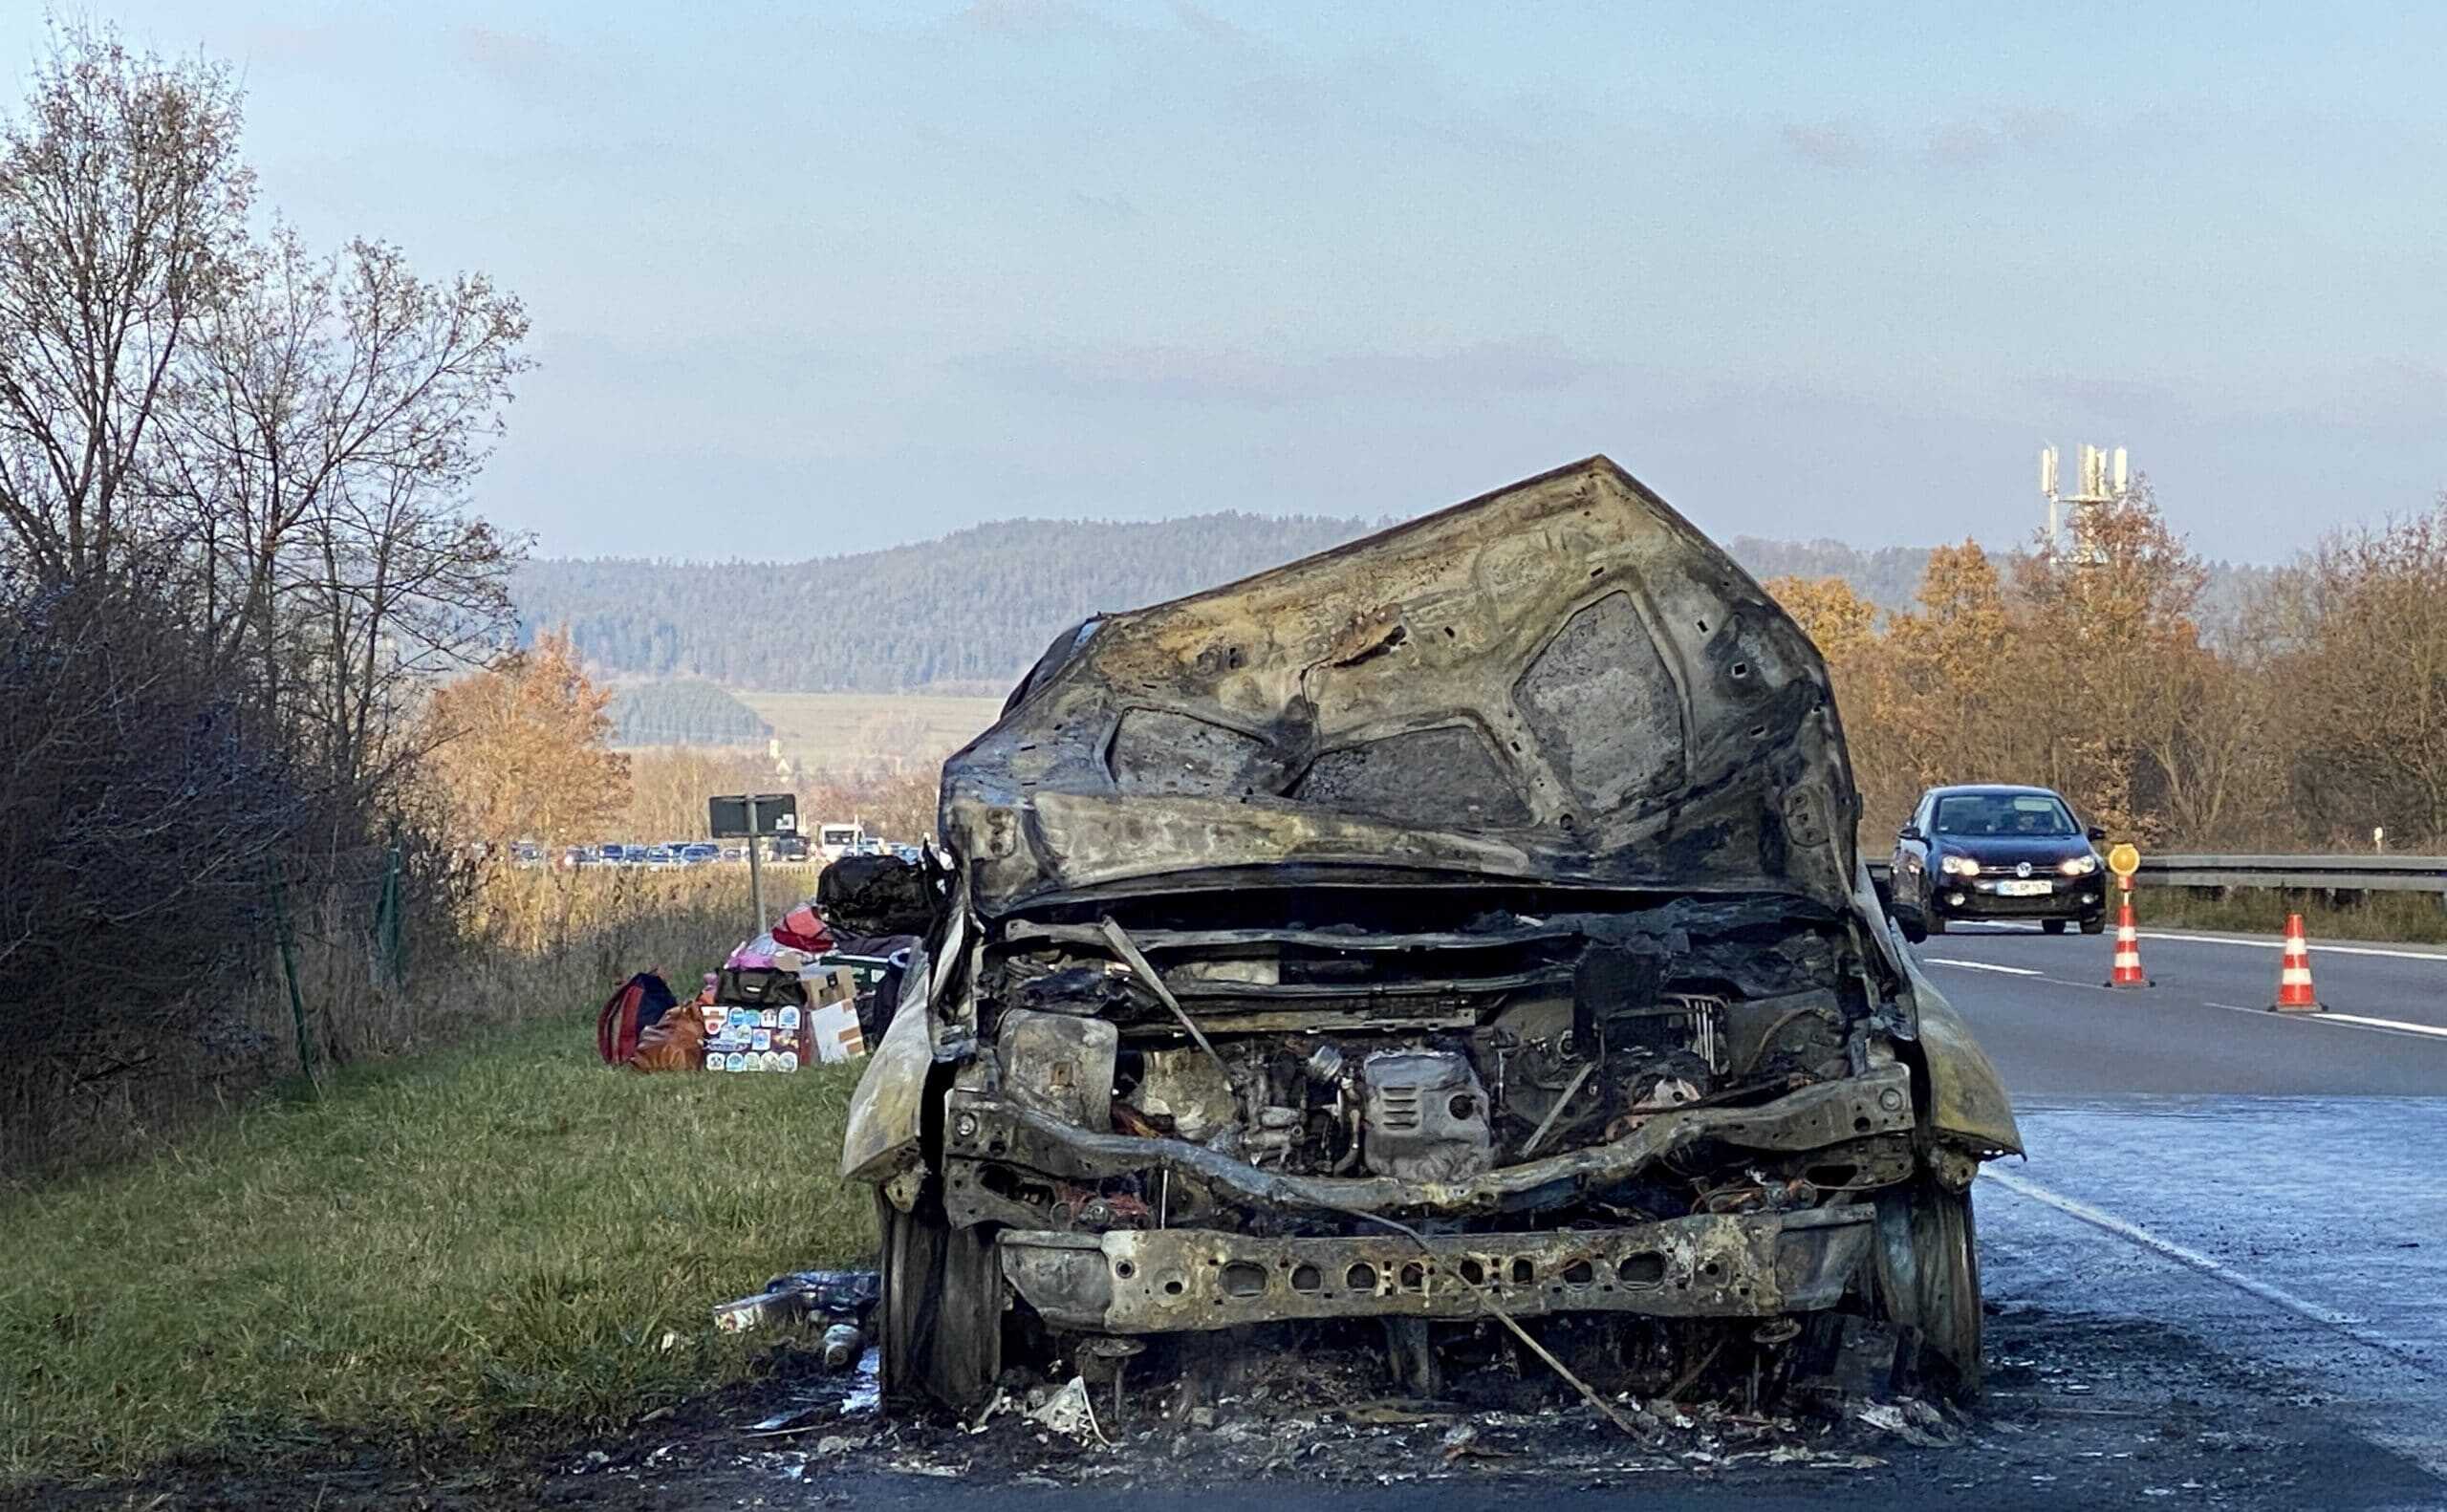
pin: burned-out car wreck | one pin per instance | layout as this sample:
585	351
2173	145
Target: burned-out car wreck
1457	936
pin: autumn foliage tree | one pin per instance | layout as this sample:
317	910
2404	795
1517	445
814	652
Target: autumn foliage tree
1955	695
1840	621
2082	669
1845	627
2110	627
521	750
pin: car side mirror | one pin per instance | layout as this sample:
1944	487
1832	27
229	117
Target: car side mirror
2095	833
1910	831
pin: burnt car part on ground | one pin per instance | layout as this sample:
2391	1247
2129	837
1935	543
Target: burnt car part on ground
1461	925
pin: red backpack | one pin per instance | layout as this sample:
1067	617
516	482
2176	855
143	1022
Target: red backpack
635	1007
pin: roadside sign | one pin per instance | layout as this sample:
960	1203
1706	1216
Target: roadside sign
729	819
747	816
2124	860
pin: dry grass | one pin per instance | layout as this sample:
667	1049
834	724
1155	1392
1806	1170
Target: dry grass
836	732
536	941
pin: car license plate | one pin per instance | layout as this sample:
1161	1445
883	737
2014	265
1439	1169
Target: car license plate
2034	887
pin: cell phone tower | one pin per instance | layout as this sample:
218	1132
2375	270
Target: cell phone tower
2105	478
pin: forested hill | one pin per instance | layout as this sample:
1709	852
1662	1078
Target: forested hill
971	610
974	608
686	711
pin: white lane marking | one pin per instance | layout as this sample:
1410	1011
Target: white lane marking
2275	1295
1980	965
2343	1021
2324	1016
2396	1024
2279	944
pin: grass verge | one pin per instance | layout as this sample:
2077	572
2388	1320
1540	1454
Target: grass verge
499	1241
2403	917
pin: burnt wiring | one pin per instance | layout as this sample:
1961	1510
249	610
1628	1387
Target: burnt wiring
1486	1305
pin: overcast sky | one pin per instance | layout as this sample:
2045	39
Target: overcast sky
811	278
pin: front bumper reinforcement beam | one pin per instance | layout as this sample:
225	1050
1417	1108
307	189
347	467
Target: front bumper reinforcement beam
1187	1279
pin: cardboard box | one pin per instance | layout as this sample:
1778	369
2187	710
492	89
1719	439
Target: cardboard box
834	1031
830	983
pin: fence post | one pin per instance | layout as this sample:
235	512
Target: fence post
755	874
288	943
390	924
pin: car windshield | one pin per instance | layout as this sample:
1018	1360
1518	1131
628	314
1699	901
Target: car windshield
2003	813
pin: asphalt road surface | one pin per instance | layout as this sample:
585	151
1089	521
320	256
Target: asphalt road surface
2271	1183
2218	1280
2041	1008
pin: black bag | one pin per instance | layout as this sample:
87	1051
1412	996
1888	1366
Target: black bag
757	986
876	895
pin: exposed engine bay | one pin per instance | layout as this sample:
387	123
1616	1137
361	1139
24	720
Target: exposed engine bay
1458	933
1480	1046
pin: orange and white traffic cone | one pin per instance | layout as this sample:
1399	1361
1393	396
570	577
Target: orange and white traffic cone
2294	994
2127	944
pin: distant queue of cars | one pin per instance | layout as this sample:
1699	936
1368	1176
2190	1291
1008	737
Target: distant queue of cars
679	855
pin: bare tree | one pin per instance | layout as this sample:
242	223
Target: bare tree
405	587
668	788
342	407
2219	754
2363	657
122	213
237	548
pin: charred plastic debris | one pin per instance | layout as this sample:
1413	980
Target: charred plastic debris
837	1301
1320	1414
1452	945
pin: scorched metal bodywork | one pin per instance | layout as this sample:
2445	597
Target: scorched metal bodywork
1483	893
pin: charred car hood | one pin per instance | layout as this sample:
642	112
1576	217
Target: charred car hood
1562	682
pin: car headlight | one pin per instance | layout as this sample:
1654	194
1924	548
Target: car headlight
2079	866
1959	866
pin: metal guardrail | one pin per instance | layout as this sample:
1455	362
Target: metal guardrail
2342	873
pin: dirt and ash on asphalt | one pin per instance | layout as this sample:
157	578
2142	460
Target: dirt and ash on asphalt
2076	1407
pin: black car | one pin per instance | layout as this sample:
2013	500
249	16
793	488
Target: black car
1995	850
